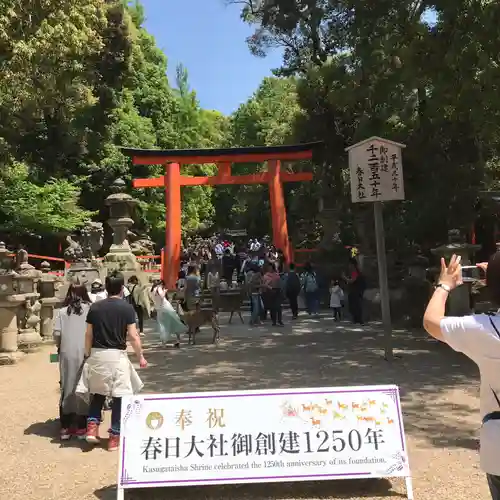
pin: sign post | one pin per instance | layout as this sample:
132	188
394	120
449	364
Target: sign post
376	172
281	435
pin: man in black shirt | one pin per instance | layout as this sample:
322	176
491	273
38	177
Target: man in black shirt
110	323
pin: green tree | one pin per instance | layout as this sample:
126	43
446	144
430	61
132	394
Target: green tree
43	209
266	119
382	68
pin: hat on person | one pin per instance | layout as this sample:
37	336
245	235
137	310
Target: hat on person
96	282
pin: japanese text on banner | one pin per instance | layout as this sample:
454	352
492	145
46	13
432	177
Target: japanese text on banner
258	437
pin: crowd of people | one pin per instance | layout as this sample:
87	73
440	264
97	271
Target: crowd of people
92	328
259	267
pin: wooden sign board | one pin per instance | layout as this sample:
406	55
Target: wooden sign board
376	170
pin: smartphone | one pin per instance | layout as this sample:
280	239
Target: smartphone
472	273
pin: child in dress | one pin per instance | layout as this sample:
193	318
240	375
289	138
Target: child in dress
336	300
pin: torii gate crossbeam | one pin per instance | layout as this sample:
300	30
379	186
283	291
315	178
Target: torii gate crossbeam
173	180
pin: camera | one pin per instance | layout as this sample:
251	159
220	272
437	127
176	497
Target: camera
472	273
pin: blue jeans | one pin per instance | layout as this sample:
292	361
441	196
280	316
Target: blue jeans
312	302
95	412
255	299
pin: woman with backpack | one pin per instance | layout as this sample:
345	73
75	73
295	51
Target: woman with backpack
311	289
135	299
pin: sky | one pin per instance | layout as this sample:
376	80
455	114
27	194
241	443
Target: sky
208	38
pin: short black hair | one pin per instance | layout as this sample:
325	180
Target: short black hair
493	278
114	283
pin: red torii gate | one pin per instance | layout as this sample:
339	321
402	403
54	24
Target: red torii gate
173	180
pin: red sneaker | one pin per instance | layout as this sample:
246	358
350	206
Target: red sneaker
92	435
80	434
113	442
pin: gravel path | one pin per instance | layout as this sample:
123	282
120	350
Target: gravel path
440	403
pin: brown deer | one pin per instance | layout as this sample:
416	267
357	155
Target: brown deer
197	318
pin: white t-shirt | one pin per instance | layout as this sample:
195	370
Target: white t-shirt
160	298
477	339
213	279
336	296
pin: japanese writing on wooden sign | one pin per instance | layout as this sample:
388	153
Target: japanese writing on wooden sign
376	170
262	436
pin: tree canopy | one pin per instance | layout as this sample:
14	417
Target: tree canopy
80	79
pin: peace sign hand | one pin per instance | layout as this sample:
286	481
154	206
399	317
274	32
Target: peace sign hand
451	275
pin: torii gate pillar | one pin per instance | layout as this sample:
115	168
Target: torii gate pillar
172	250
278	209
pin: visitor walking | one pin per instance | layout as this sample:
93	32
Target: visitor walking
96	288
336	300
192	290
311	289
254	283
69	335
272	284
213	284
478	337
292	289
108	371
136	299
228	266
168	320
356	288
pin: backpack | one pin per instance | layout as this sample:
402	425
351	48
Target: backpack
292	286
130	298
310	284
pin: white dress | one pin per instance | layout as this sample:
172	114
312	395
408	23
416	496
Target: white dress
336	296
70	330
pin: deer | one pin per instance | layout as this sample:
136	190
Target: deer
198	317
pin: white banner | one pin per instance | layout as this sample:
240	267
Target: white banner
261	436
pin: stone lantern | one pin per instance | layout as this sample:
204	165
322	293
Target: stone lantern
460	298
48	299
81	253
121	210
28	318
9	304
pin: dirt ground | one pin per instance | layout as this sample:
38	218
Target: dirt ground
439	391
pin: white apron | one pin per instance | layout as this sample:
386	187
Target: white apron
109	372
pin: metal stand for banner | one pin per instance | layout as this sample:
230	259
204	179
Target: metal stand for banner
409	488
